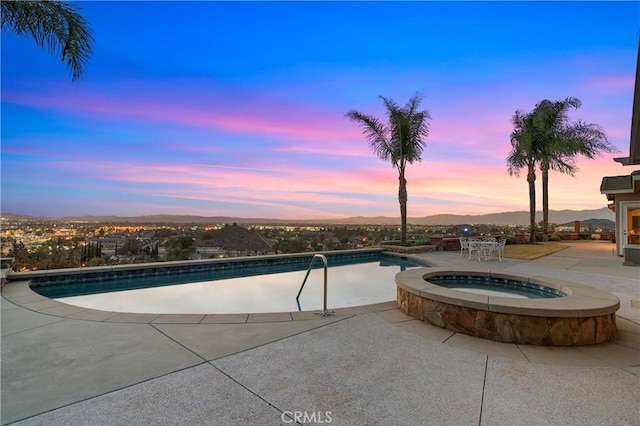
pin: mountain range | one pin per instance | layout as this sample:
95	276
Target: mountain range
504	218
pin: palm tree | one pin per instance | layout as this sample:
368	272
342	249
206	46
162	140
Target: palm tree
547	138
560	141
523	155
400	141
54	25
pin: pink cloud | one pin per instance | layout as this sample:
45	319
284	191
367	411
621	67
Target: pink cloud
610	84
328	149
189	147
260	116
441	186
307	184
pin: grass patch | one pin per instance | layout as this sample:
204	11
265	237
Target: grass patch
531	251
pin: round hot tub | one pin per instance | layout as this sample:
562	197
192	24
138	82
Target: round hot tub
509	308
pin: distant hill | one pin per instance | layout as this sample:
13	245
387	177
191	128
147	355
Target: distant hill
504	218
596	223
516	218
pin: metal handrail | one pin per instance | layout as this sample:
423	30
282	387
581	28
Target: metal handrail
325	312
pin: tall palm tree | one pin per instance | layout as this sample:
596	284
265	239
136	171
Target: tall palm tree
522	155
399	141
545	137
559	141
54	25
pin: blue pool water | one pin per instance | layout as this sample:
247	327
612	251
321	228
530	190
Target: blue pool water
250	289
491	286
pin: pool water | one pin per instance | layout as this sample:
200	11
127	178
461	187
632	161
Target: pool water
347	285
491	286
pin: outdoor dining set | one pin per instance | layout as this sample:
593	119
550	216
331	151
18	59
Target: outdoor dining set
482	248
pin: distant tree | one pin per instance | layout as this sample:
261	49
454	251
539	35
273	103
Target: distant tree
180	248
336	245
55	257
152	250
399	141
92	248
54	25
131	246
280	246
97	261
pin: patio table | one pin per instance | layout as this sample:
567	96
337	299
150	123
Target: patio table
484	249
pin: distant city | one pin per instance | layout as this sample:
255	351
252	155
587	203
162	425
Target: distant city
45	243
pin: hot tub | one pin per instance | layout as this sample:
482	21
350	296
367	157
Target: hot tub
576	314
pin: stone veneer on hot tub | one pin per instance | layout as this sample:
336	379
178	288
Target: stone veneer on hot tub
584	316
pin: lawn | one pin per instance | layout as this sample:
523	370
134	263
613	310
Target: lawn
531	251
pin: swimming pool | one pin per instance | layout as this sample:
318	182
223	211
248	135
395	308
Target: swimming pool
250	286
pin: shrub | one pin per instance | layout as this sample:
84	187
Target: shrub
555	238
97	261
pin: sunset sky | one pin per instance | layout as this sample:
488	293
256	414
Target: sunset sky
213	108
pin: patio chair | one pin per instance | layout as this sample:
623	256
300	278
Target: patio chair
499	248
475	246
464	245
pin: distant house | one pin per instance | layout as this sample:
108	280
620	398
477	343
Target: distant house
110	242
623	192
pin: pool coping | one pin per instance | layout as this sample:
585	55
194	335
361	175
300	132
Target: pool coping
21	294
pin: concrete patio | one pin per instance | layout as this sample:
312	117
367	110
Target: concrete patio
65	365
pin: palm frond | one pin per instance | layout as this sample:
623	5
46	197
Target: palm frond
375	133
587	139
55	26
558	140
522	149
563	164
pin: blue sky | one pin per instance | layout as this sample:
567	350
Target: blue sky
237	108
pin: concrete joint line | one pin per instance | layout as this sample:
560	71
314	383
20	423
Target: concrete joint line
484	383
35	327
523	353
282	338
178	343
282	412
449	337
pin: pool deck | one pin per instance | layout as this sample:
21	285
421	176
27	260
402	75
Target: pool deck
64	365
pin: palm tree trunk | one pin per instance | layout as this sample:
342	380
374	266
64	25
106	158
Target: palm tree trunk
531	179
402	198
545	202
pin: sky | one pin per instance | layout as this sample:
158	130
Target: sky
238	108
